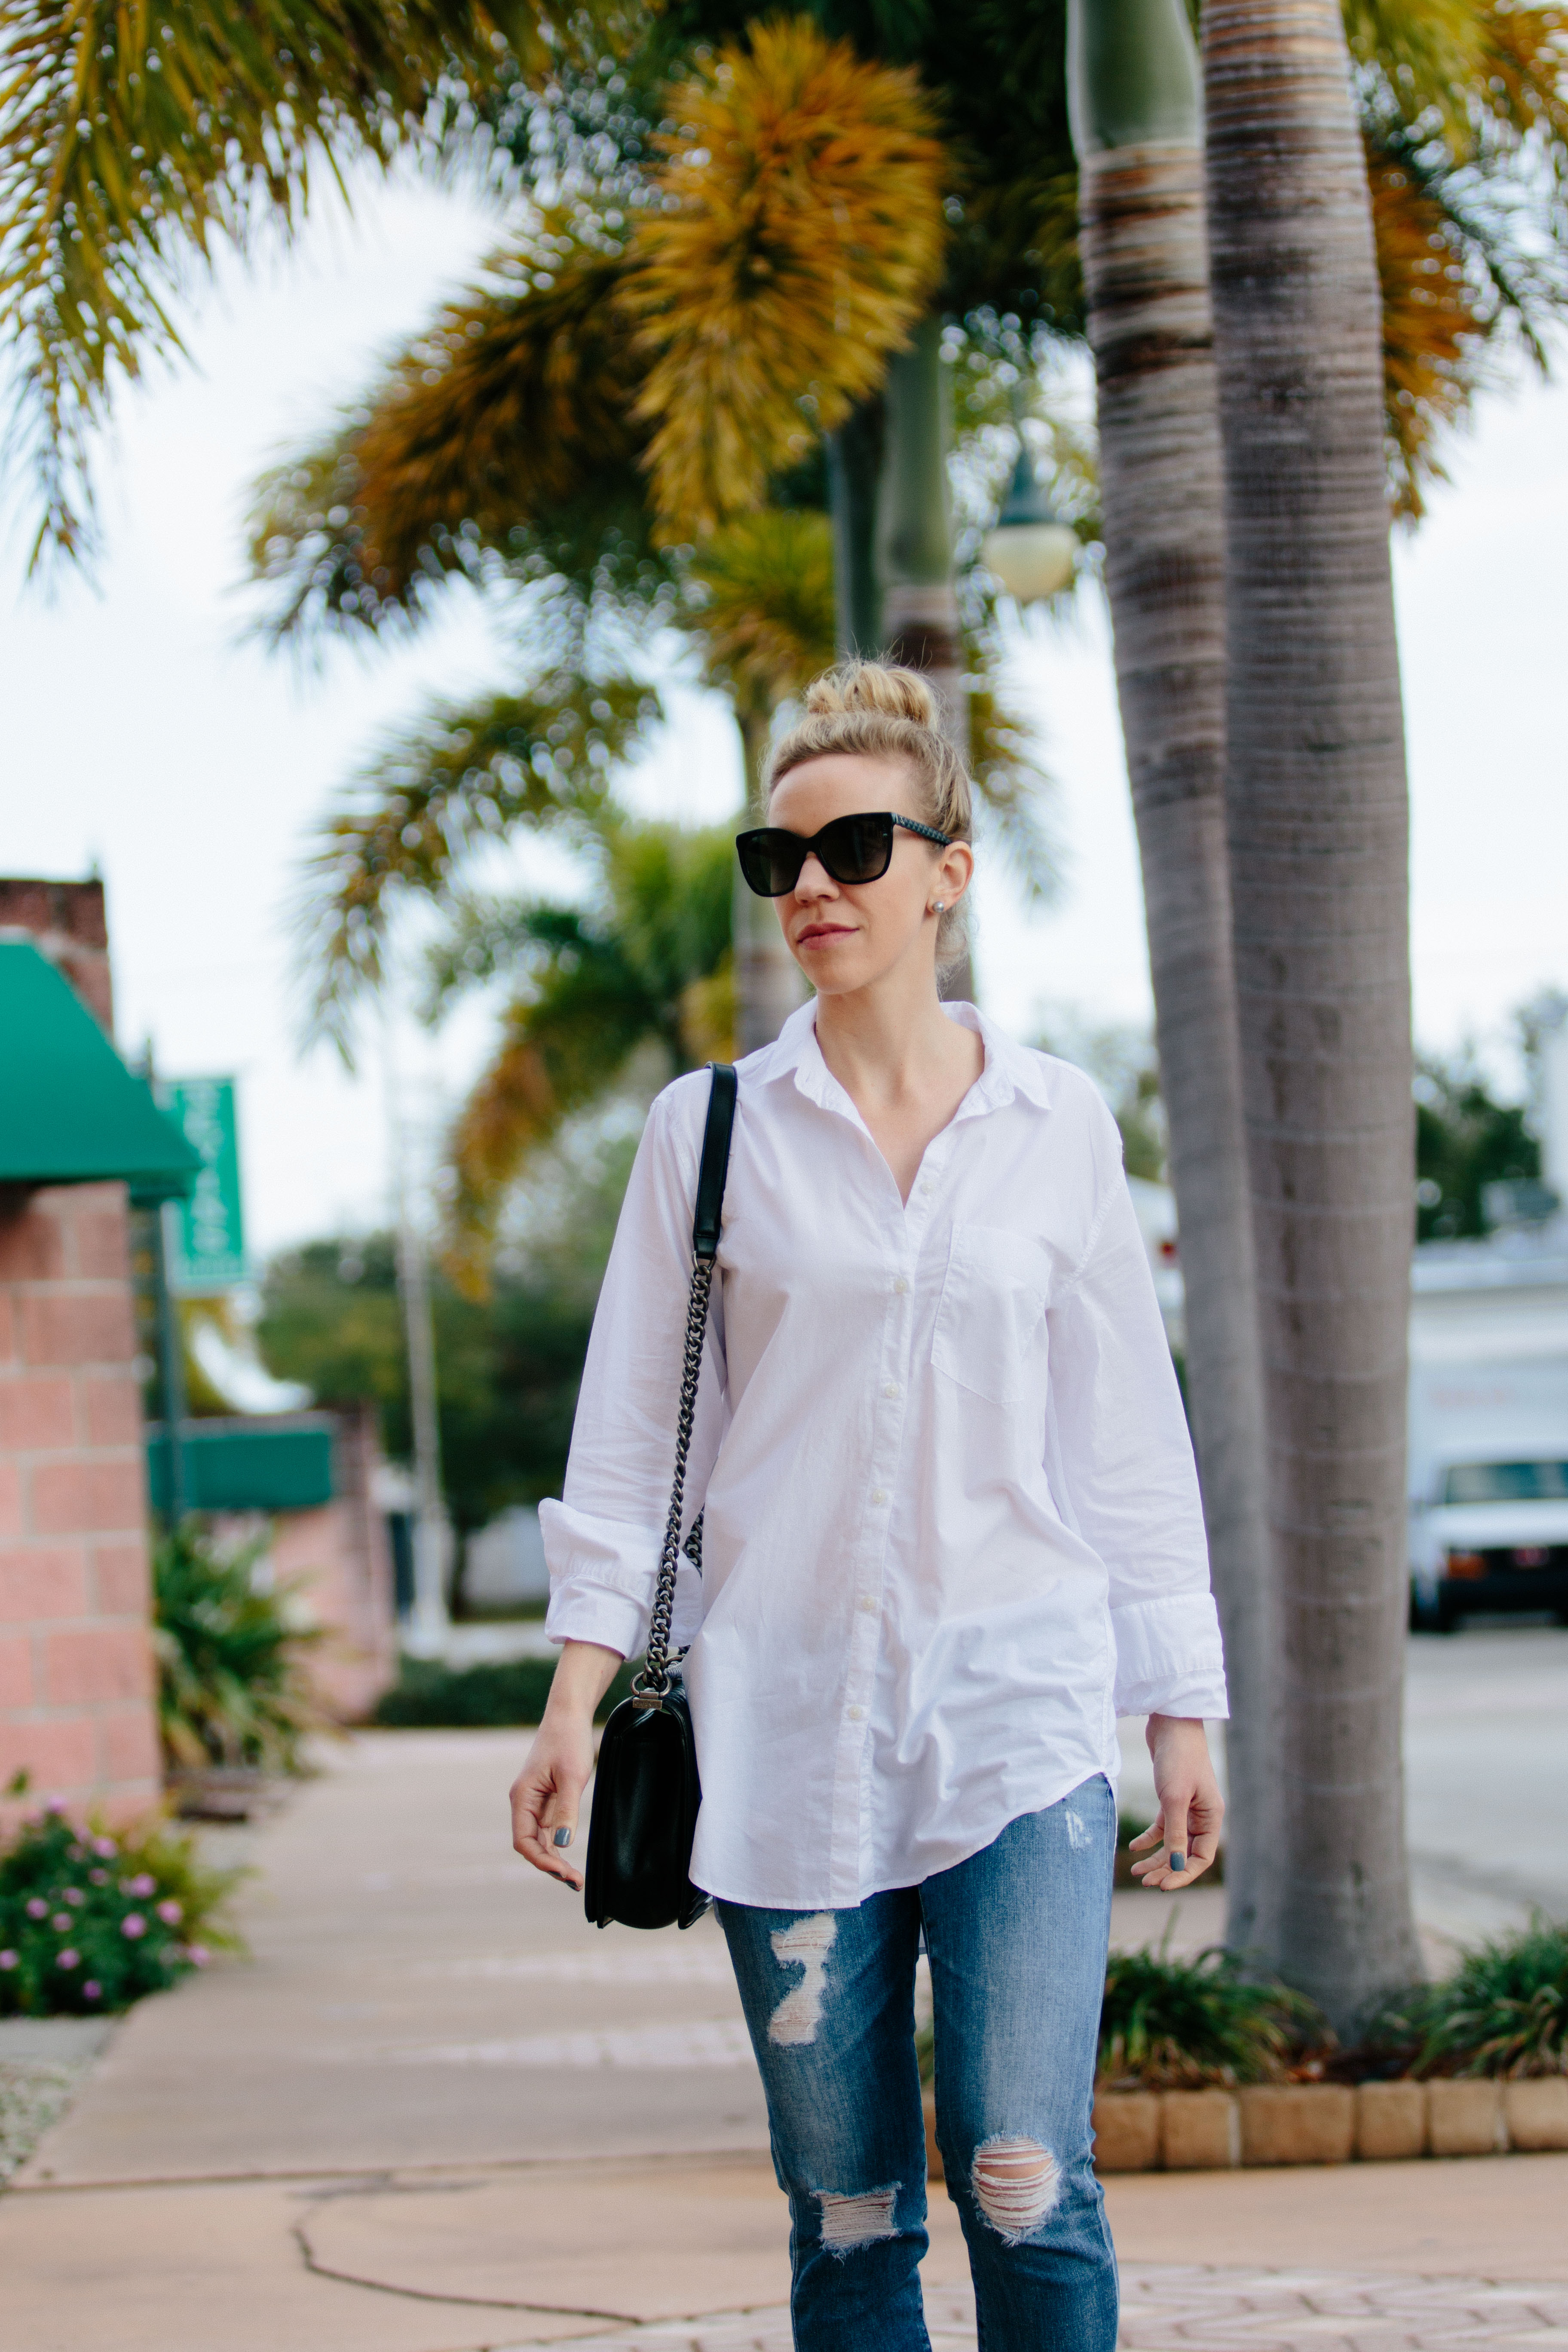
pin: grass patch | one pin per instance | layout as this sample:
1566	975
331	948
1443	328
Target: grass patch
1180	2024
429	1696
1503	2011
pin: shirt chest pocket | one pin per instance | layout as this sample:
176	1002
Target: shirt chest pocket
989	1324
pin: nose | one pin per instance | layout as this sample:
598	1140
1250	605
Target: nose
815	881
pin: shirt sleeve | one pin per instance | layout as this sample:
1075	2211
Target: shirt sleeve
601	1540
1119	1459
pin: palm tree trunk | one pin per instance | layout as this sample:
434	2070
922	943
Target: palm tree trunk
768	984
1145	260
914	526
920	623
854	465
1316	790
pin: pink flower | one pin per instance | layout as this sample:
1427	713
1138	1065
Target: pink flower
171	1913
92	1990
74	1895
67	1958
143	1884
60	1923
98	1877
105	1848
36	1908
198	1955
10	1960
77	1852
55	1805
133	1924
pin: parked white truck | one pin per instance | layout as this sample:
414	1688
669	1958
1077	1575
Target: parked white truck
1489	1427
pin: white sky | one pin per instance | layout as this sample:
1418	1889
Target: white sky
143	732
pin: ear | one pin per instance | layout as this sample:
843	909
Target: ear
954	871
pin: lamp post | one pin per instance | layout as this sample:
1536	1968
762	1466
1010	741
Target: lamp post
1029	547
425	1635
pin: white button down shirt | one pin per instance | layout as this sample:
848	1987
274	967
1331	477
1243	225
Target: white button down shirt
951	1523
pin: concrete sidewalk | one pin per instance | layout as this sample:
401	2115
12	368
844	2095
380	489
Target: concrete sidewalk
437	2112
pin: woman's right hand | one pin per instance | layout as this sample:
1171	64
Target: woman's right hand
547	1794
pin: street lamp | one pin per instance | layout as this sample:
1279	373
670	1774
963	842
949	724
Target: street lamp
1031	551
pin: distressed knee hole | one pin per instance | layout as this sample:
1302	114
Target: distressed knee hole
1015	2184
1080	1837
805	1946
848	2222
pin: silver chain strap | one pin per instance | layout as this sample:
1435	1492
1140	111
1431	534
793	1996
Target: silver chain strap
652	1683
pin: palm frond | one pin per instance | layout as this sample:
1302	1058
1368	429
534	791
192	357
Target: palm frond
649	963
1464	108
562	1044
462	775
506	430
798	237
762	606
1434	328
135	137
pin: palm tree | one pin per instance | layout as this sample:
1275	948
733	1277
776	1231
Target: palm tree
1442	126
1316	785
133	140
1137	123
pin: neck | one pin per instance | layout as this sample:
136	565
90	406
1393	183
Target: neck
884	1040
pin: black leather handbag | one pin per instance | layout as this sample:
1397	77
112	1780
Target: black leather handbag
645	1791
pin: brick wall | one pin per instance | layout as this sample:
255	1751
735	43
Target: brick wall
76	1671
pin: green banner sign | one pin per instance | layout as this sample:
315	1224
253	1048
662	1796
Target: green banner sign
208	1229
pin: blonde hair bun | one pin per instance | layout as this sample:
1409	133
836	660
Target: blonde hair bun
866	686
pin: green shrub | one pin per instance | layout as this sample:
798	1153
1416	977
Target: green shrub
1504	2012
91	1920
1180	2024
430	1696
231	1684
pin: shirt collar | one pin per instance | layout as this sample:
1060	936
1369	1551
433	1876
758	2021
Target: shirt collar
1010	1069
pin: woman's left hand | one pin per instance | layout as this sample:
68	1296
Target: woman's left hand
1186	1831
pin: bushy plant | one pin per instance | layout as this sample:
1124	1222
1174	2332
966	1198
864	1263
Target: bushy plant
231	1684
430	1696
91	1919
1182	2023
1503	2011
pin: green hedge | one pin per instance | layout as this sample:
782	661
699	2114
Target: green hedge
432	1697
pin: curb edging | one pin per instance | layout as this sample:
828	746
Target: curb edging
1317	2123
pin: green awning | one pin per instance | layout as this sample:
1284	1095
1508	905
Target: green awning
71	1111
229	1465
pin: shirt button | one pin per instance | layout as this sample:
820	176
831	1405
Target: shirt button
867	1603
890	1388
856	1714
901	1286
879	1494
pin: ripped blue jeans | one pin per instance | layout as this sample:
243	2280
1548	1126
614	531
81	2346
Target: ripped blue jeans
1016	1937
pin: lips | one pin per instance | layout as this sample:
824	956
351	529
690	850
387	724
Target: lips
815	934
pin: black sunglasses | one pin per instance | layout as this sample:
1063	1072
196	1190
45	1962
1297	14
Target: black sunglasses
852	849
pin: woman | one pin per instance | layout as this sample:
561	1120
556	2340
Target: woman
951	1528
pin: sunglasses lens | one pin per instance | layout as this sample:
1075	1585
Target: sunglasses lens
856	848
770	860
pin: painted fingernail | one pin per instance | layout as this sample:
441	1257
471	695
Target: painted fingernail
1178	1861
563	1837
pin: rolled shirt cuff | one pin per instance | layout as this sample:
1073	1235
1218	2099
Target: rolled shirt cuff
1169	1657
603	1575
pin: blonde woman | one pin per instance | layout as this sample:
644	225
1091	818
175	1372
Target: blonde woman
952	1529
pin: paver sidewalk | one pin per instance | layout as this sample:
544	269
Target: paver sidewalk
436	2113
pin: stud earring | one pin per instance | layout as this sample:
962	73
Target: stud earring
940	908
